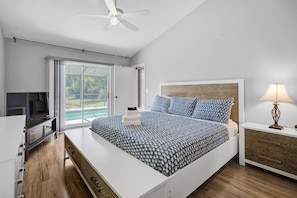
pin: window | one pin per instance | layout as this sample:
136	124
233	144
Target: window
86	89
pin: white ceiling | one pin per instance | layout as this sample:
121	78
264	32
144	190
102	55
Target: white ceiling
57	22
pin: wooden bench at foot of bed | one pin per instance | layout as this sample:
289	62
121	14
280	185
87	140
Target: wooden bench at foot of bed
110	172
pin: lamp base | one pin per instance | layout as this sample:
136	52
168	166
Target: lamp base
275	112
276	126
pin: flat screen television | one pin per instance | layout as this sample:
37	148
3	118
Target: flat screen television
32	104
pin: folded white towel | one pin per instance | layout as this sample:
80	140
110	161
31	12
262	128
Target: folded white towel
132	112
134	122
131	117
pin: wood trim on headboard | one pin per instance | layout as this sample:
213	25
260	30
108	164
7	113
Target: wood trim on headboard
210	90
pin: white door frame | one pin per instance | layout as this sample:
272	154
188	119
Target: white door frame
135	90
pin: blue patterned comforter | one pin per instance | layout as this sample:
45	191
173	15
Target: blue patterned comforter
165	142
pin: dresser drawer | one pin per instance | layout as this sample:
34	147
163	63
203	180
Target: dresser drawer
20	160
99	187
19	182
277	151
19	170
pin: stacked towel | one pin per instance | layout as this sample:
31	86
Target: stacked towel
132	117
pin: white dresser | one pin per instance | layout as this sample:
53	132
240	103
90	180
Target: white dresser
12	155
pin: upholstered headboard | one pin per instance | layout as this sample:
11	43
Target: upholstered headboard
219	89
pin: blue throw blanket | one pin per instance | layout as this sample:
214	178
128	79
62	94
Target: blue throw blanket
163	141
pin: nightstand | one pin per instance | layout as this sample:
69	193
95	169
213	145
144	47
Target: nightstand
270	149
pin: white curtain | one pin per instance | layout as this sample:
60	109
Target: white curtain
57	92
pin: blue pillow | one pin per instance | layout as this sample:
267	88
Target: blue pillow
182	106
161	104
214	110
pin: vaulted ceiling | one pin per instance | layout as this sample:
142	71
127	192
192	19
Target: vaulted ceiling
58	22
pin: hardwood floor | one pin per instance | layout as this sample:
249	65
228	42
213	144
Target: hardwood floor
45	178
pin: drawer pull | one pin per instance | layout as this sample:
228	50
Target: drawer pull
19	181
21	175
70	149
100	189
269	141
20	153
23	146
96	183
270	159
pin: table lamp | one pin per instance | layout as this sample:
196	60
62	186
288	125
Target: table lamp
276	93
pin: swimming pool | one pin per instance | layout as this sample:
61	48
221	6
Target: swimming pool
88	113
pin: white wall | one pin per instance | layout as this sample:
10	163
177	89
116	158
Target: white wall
2	86
251	39
26	67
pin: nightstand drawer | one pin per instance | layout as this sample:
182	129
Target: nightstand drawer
277	151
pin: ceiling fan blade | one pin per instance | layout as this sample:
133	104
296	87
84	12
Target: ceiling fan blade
93	15
111	6
129	15
130	25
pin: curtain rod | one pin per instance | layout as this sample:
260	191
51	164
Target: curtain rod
77	60
72	48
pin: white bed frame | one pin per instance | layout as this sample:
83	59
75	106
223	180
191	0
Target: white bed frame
186	180
140	180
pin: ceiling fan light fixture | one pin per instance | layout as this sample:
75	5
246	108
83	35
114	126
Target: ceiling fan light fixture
114	21
116	16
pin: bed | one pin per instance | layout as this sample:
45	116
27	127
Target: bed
109	170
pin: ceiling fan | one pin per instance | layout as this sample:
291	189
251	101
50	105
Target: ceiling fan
116	16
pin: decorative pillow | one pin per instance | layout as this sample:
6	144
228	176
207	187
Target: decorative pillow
161	104
182	106
214	110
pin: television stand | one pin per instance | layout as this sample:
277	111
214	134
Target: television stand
38	133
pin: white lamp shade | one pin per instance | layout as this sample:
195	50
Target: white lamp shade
277	93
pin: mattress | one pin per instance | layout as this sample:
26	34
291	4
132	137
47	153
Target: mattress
163	141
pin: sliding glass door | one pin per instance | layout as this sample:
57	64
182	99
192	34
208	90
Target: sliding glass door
86	92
